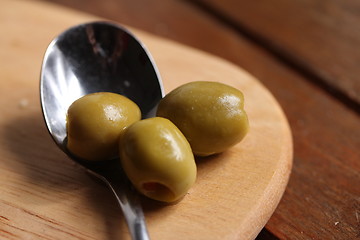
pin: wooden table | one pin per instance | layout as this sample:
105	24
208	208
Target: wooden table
307	54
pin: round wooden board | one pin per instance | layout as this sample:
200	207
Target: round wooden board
46	196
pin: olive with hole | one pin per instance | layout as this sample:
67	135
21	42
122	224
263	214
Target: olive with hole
157	159
95	122
211	115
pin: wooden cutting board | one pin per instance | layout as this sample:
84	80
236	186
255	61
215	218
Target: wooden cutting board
43	195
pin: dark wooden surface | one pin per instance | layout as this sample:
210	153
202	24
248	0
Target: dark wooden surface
307	54
318	36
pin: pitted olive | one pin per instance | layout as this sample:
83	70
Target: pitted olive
95	122
157	159
211	115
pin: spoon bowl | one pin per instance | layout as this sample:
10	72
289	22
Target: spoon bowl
99	57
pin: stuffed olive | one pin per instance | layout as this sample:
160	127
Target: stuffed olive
157	159
95	122
211	115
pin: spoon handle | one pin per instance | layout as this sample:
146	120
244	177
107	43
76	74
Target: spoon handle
130	205
132	211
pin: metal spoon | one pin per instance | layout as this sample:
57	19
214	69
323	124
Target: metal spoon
94	57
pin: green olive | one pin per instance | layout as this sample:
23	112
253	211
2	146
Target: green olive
157	159
95	122
211	115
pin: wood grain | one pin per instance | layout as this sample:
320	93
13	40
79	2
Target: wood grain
322	198
46	196
316	37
